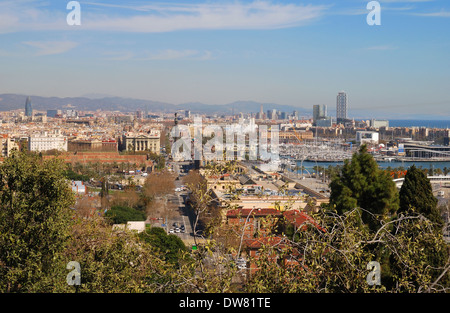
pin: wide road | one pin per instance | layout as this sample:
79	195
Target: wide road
180	214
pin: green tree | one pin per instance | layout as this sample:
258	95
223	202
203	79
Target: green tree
122	214
114	261
445	170
362	184
334	257
170	246
417	193
35	201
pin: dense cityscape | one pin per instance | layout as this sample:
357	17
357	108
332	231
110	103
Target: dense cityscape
224	155
126	168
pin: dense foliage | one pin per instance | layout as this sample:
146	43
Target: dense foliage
35	201
40	234
417	193
168	245
361	184
122	214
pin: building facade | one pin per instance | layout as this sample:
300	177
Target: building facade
92	145
341	106
319	112
141	142
367	137
379	123
46	142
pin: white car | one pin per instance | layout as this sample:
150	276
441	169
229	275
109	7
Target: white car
171	231
241	263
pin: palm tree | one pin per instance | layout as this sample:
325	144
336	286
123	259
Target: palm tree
296	168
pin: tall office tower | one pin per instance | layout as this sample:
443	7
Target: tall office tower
341	106
28	109
319	112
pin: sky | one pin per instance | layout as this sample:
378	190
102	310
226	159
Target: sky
294	52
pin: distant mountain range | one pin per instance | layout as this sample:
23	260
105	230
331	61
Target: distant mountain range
93	102
101	102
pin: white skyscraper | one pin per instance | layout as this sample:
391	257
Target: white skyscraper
341	106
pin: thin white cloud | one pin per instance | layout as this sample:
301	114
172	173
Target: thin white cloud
404	1
29	15
118	56
32	15
51	47
362	10
206	16
382	48
163	55
441	13
171	54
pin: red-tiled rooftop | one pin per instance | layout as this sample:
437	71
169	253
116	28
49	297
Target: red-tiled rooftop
299	218
263	241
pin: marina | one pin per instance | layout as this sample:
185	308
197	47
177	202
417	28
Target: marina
313	156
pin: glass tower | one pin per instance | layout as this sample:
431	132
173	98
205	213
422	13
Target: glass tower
28	109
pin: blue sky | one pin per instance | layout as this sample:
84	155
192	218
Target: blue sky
218	51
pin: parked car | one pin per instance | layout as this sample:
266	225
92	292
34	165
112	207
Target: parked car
241	263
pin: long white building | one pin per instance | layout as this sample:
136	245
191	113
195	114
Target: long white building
45	142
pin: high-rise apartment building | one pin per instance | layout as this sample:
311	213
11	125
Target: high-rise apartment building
341	106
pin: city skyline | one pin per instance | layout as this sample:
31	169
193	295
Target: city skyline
294	53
